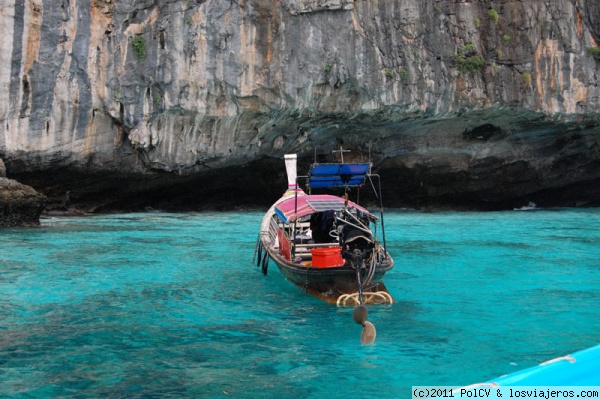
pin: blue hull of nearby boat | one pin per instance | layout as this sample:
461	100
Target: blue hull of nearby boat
581	368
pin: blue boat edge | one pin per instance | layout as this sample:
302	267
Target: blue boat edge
581	368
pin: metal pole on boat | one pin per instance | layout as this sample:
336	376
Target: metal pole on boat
357	261
293	243
381	214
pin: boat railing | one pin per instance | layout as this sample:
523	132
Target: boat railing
317	245
273	233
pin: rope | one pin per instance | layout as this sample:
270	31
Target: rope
368	297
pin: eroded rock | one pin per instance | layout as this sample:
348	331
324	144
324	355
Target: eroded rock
20	205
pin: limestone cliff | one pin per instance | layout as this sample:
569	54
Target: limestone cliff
128	103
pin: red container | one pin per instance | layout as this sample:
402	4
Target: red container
327	257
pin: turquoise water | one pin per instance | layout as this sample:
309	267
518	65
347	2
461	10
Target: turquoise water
163	305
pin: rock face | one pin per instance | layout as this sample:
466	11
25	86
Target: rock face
184	104
20	205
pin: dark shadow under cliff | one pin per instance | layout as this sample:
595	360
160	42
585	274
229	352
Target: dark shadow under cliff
481	160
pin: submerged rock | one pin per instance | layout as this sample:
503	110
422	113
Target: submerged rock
20	205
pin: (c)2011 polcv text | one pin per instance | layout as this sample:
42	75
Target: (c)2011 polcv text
493	391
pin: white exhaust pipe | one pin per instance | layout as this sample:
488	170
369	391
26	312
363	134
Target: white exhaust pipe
290	167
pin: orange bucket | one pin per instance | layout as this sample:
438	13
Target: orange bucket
327	257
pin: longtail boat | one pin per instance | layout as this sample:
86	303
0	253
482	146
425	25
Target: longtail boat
331	247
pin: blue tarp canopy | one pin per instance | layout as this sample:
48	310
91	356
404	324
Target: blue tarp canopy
338	174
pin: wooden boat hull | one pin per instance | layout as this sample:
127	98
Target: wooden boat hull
338	279
331	283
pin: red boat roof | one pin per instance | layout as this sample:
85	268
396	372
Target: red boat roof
309	204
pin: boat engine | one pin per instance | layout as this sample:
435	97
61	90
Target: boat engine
355	242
